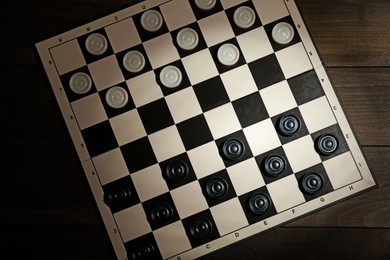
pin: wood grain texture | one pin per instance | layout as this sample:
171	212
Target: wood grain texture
46	208
349	33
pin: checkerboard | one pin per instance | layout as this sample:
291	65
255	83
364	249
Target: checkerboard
200	123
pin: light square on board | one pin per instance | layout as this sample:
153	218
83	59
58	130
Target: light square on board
110	166
216	28
278	98
166	143
189	199
161	51
342	170
175	19
262	137
128	230
144	89
245	176
285	193
270	10
301	153
172	239
317	114
229	216
61	56
149	182
254	44
239	82
89	111
230	3
123	35
222	120
127	127
106	73
294	60
206	160
200	66
183	105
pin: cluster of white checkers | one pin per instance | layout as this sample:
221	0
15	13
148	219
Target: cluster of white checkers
201	123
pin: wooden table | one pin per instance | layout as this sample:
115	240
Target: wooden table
46	208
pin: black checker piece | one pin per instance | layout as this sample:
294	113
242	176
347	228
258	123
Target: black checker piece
120	194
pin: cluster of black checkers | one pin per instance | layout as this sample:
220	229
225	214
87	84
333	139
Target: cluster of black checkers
215	188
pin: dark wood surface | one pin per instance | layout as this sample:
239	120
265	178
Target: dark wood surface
46	208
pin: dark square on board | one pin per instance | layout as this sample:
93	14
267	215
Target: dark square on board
99	138
194	132
266	71
155	116
211	93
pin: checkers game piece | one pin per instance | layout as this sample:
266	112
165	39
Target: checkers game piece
187	38
201	123
134	61
80	83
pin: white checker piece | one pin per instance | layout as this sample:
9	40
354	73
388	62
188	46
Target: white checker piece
144	89
128	230
183	105
238	82
149	183
61	56
189	199
89	111
172	239
222	121
216	28
166	143
245	176
106	73
262	137
224	219
175	19
110	166
200	66
285	193
254	44
161	51
123	35
127	127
